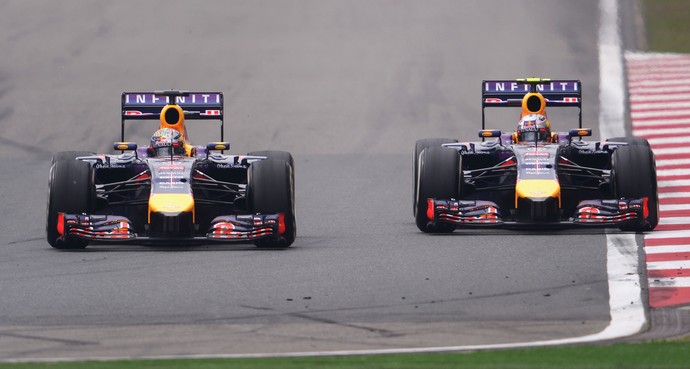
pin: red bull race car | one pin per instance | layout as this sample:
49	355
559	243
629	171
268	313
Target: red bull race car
533	176
171	191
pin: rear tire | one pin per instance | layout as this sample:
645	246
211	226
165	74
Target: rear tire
440	177
71	190
633	172
270	190
419	146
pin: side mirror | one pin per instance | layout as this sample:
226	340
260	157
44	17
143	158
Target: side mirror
217	146
489	133
580	132
122	146
484	133
129	146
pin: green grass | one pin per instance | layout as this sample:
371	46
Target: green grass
658	355
668	25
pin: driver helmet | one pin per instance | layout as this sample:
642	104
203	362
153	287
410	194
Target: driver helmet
534	128
166	142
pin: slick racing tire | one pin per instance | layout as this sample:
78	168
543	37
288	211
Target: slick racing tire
275	154
279	155
631	141
440	178
69	155
71	190
633	172
271	190
419	146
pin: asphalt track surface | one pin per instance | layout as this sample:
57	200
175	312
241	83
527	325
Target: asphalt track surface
347	87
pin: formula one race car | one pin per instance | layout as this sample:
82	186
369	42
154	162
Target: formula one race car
171	191
533	176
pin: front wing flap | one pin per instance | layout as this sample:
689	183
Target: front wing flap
463	213
227	228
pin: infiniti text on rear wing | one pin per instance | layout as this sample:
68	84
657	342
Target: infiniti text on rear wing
509	93
196	105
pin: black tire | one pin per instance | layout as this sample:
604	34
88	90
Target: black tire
71	190
278	155
69	155
440	177
419	146
275	154
271	189
631	141
633	172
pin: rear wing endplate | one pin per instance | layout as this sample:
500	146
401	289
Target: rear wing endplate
509	93
148	106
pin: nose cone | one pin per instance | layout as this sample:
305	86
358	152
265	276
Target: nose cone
171	203
171	215
538	200
536	189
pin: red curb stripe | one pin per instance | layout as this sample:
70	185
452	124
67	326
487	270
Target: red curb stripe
668	273
672	227
672	156
660	126
667	189
659	135
668	296
667	101
638	85
675	213
666	93
671	256
674	201
671	166
659	117
670	145
670	241
660	109
672	178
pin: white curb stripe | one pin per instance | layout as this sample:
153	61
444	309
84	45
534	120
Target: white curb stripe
666	249
670	282
674	264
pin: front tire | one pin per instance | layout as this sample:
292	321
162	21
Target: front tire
633	172
419	146
631	141
71	190
69	155
270	190
440	177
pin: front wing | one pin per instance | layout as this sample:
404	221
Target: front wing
602	213
227	228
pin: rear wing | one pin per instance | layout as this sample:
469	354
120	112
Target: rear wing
509	93
148	106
